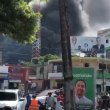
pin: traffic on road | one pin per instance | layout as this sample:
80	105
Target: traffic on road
46	100
52	99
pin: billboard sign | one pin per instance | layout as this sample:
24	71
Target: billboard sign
87	45
84	85
19	73
106	34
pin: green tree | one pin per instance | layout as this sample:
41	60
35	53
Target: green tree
75	56
18	20
38	60
28	63
50	57
90	55
46	58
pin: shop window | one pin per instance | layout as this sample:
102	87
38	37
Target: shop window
0	86
107	41
59	68
102	66
86	65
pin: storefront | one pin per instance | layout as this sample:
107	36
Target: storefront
19	77
3	77
56	80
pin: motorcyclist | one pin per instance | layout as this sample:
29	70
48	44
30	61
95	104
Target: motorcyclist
34	103
61	96
58	104
50	100
104	100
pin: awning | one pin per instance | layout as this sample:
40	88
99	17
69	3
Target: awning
4	76
55	76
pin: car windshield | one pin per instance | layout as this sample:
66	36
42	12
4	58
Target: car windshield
7	96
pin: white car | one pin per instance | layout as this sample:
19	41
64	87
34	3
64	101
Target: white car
12	98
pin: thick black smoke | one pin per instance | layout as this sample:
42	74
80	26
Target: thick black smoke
50	33
99	13
50	26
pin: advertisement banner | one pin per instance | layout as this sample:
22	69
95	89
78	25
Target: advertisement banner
106	34
19	73
84	85
87	44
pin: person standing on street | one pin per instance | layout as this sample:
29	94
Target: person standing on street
34	104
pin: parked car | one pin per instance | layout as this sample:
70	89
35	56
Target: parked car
12	98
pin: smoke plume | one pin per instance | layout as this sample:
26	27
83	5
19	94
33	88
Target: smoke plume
87	21
99	14
50	24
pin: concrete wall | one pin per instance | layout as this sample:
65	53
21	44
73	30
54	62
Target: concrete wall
43	74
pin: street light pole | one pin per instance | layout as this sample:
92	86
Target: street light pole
1	56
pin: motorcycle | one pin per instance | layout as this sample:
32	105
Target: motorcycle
103	101
49	108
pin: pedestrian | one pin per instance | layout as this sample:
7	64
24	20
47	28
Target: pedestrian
58	104
34	104
28	98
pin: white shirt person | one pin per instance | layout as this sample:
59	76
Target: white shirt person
74	45
83	100
80	90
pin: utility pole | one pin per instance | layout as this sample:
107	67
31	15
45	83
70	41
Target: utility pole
66	57
43	75
1	56
103	72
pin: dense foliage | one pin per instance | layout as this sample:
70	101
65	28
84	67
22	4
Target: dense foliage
90	55
46	58
18	20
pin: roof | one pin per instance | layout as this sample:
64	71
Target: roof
10	90
83	58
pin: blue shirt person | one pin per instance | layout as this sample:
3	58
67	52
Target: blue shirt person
29	101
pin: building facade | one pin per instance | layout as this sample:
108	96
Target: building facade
40	76
86	62
4	77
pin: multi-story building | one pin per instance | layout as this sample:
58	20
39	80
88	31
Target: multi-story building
40	75
57	74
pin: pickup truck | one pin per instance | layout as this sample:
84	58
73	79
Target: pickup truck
12	99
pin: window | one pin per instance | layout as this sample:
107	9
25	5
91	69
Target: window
86	65
102	66
59	68
7	96
19	94
107	41
0	86
108	66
